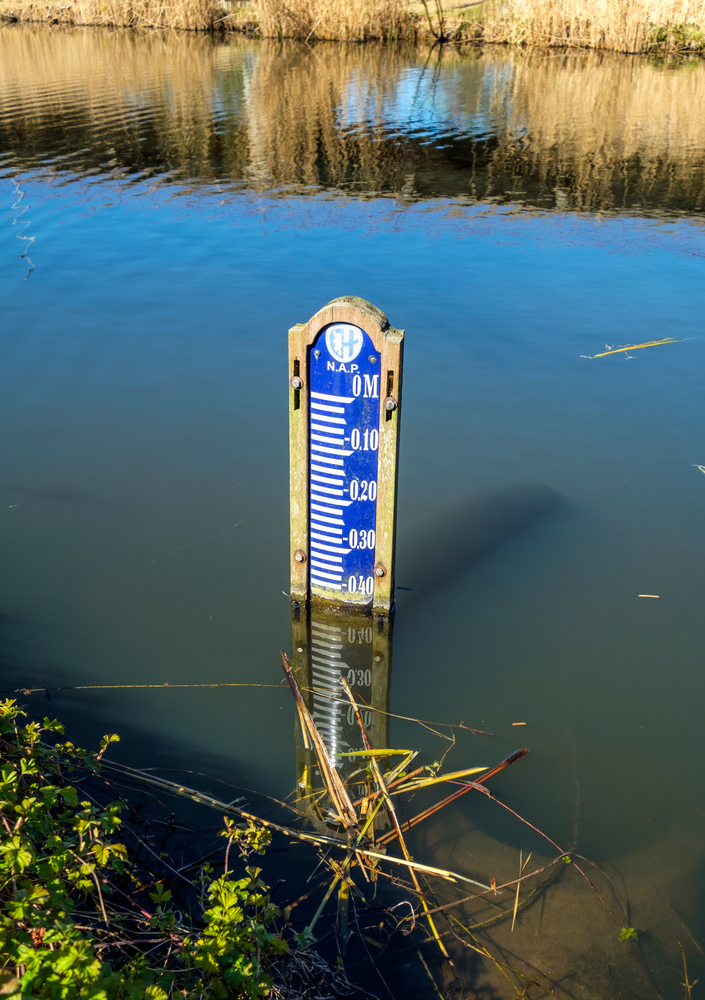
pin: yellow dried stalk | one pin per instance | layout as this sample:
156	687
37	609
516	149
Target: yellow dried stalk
439	779
381	785
332	780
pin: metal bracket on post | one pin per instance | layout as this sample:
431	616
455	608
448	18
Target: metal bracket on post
345	379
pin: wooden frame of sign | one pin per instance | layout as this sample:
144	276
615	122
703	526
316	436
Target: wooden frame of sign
345	368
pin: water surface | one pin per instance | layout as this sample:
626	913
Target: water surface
180	202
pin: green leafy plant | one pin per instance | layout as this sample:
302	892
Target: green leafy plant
77	920
628	934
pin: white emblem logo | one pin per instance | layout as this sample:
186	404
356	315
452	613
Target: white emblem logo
344	341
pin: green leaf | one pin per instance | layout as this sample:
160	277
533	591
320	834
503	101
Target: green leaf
105	743
162	895
155	993
628	934
17	855
53	726
69	796
50	795
304	938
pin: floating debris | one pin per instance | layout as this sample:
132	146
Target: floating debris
701	467
633	347
657	596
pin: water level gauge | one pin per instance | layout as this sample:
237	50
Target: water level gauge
345	387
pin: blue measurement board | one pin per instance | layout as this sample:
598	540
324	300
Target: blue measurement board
345	386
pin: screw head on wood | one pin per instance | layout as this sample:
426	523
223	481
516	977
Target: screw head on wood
300	556
390	403
297	383
380	570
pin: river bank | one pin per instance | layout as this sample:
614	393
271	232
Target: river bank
630	26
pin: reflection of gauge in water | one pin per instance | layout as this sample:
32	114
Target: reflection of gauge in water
330	648
340	652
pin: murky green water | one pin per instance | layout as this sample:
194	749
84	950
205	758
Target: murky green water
180	202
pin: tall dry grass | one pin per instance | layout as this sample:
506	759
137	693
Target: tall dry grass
619	25
342	20
193	15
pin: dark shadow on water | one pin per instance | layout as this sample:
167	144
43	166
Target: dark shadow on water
464	534
56	492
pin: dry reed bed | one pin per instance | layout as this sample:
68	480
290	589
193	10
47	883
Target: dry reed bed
618	25
189	15
633	26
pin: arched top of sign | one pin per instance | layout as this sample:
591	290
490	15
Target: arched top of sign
345	376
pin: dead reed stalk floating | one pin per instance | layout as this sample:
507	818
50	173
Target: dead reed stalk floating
371	784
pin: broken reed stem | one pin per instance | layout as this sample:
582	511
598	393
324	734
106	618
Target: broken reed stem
483	924
316	839
322	904
406	718
336	789
637	347
46	691
516	898
500	966
392	812
304	730
505	885
604	874
688	985
511	759
129	687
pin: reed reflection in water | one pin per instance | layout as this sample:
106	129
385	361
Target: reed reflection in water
572	131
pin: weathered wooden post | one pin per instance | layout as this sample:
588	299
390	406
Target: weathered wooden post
345	373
